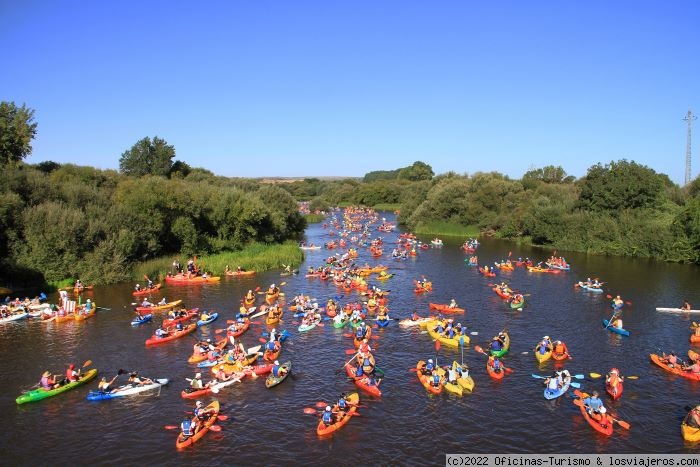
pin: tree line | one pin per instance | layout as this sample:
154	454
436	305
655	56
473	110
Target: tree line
61	221
619	208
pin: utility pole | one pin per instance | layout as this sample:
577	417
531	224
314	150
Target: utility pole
688	118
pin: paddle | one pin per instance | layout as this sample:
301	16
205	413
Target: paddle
598	375
622	423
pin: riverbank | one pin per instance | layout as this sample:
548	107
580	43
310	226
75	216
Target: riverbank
314	218
257	257
446	229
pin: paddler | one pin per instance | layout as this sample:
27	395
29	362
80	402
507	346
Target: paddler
428	368
686	305
277	370
249	296
617	302
104	384
671	360
138	381
451	375
495	363
436	380
593	404
558	347
364	349
453	303
693	419
48	381
694	368
72	374
496	344
552	383
613	378
327	416
137	288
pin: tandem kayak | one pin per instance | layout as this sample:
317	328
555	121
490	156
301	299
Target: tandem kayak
550	394
159	307
323	429
676	310
212	318
39	394
677	370
445	308
184	441
362	382
272	381
425	379
622	332
154	340
182	279
604	428
589	288
146	291
126	390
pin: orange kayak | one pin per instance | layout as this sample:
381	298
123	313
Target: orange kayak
183	442
323	429
445	308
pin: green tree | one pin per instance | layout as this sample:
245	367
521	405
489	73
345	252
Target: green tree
620	185
17	130
418	171
547	174
148	157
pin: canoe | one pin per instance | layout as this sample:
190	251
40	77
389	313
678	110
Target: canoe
675	370
153	340
689	433
126	390
39	394
159	307
362	382
606	429
146	291
445	308
542	357
504	350
622	332
240	273
553	394
212	318
181	279
183	442
272	381
143	319
323	429
425	379
676	310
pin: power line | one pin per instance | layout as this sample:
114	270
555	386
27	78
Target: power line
688	118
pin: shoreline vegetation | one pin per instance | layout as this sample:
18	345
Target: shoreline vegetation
446	229
314	218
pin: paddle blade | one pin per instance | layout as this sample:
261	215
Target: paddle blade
350	351
623	424
375	338
578	402
631	377
579	376
87	363
219	331
321	404
257	289
412	370
437	346
222	418
595	375
478	349
508	370
348	335
216	428
262	340
575	385
310	410
171	427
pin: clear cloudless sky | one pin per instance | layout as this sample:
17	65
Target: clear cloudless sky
314	88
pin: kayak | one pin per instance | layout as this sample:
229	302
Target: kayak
492	372
504	350
465	381
609	389
675	370
689	433
550	394
358	342
542	357
487	273
173	321
425	379
154	340
558	266
340	324
140	320
82	288
622	332
605	429
270	356
451	342
190	393
262	369
159	307
323	429
545	270
182	279
518	305
240	330
146	291
561	356
408	322
240	273
362	382
676	310
272	381
211	319
197	357
310	326
270	298
272	319
82	315
589	288
126	390
183	442
382	323
501	293
445	308
16	316
39	394
454	388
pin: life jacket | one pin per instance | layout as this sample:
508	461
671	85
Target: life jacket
69	375
436	380
429	367
186	428
342	403
559	349
275	371
327	417
271	346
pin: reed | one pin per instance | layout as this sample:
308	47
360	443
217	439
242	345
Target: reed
313	218
256	256
446	229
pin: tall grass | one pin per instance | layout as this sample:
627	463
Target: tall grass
256	256
386	206
313	218
446	229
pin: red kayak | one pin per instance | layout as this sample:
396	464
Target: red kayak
240	330
605	428
362	382
487	273
154	340
173	321
259	369
445	308
146	291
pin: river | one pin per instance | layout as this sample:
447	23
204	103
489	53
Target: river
405	426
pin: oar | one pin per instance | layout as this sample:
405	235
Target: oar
598	375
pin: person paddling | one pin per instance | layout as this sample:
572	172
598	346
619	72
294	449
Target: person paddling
48	381
686	306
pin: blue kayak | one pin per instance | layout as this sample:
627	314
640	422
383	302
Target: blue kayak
126	390
211	319
553	394
143	319
623	332
589	288
382	323
206	364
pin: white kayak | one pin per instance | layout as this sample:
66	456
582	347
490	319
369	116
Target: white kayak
14	317
235	378
408	322
126	390
676	310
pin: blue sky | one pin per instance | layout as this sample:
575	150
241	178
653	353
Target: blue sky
312	88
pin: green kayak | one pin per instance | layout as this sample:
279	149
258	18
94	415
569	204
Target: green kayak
39	394
339	325
506	346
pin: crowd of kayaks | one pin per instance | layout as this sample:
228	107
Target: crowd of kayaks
231	362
